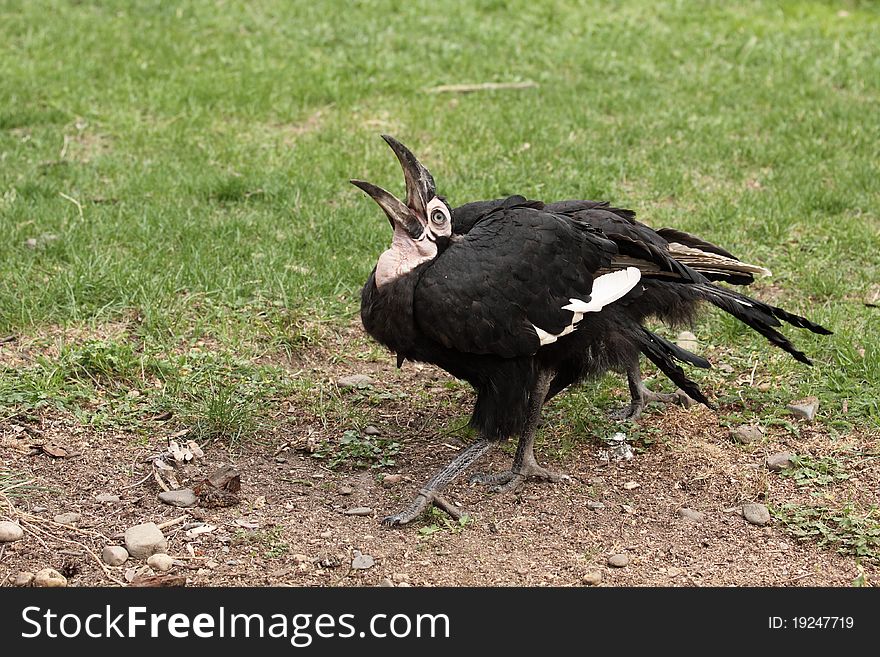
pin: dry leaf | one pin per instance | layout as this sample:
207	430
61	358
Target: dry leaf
54	450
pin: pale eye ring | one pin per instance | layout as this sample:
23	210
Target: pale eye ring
438	217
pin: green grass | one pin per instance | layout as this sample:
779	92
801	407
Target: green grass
181	169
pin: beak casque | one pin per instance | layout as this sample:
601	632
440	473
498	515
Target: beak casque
420	186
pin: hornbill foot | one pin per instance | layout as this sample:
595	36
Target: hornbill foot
424	499
509	481
634	411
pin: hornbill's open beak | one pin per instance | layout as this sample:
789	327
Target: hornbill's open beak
398	213
420	189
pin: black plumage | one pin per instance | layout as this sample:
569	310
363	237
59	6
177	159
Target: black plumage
521	304
679	272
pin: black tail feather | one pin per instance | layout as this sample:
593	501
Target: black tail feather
663	354
761	317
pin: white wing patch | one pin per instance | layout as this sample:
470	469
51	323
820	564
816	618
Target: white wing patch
607	289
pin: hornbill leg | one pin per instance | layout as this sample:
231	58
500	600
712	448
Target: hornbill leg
640	395
430	494
524	464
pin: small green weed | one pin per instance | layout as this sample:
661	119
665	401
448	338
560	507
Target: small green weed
358	451
846	529
809	471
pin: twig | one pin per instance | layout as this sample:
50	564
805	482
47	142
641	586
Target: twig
485	86
281	449
135	485
75	202
159	481
2	550
171	523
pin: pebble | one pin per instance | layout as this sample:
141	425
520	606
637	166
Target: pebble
757	514
184	497
24	578
592	578
404	585
71	519
595	506
106	498
631	485
806	411
392	479
687	340
10	531
354	381
141	541
690	514
160	562
780	461
49	578
370	430
618	560
359	511
362	561
747	434
346	490
300	559
326	534
114	555
400	577
385	582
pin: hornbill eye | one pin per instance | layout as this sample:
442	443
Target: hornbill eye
438	216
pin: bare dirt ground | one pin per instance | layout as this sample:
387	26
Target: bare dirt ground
290	526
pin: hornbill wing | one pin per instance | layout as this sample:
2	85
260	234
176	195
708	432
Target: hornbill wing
502	288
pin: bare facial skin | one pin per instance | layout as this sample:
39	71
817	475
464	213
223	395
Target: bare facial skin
404	255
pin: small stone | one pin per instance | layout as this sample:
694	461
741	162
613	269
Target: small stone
160	562
114	555
805	411
24	578
724	367
400	577
362	561
404	585
300	559
592	578
31	243
392	479
346	490
354	381
106	498
747	434
687	340
71	519
631	485
690	514
10	531
370	430
327	534
385	582
780	461
627	508
757	514
49	578
359	511
141	541
618	560
183	497
595	506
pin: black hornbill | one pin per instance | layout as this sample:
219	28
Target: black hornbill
523	304
664	297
